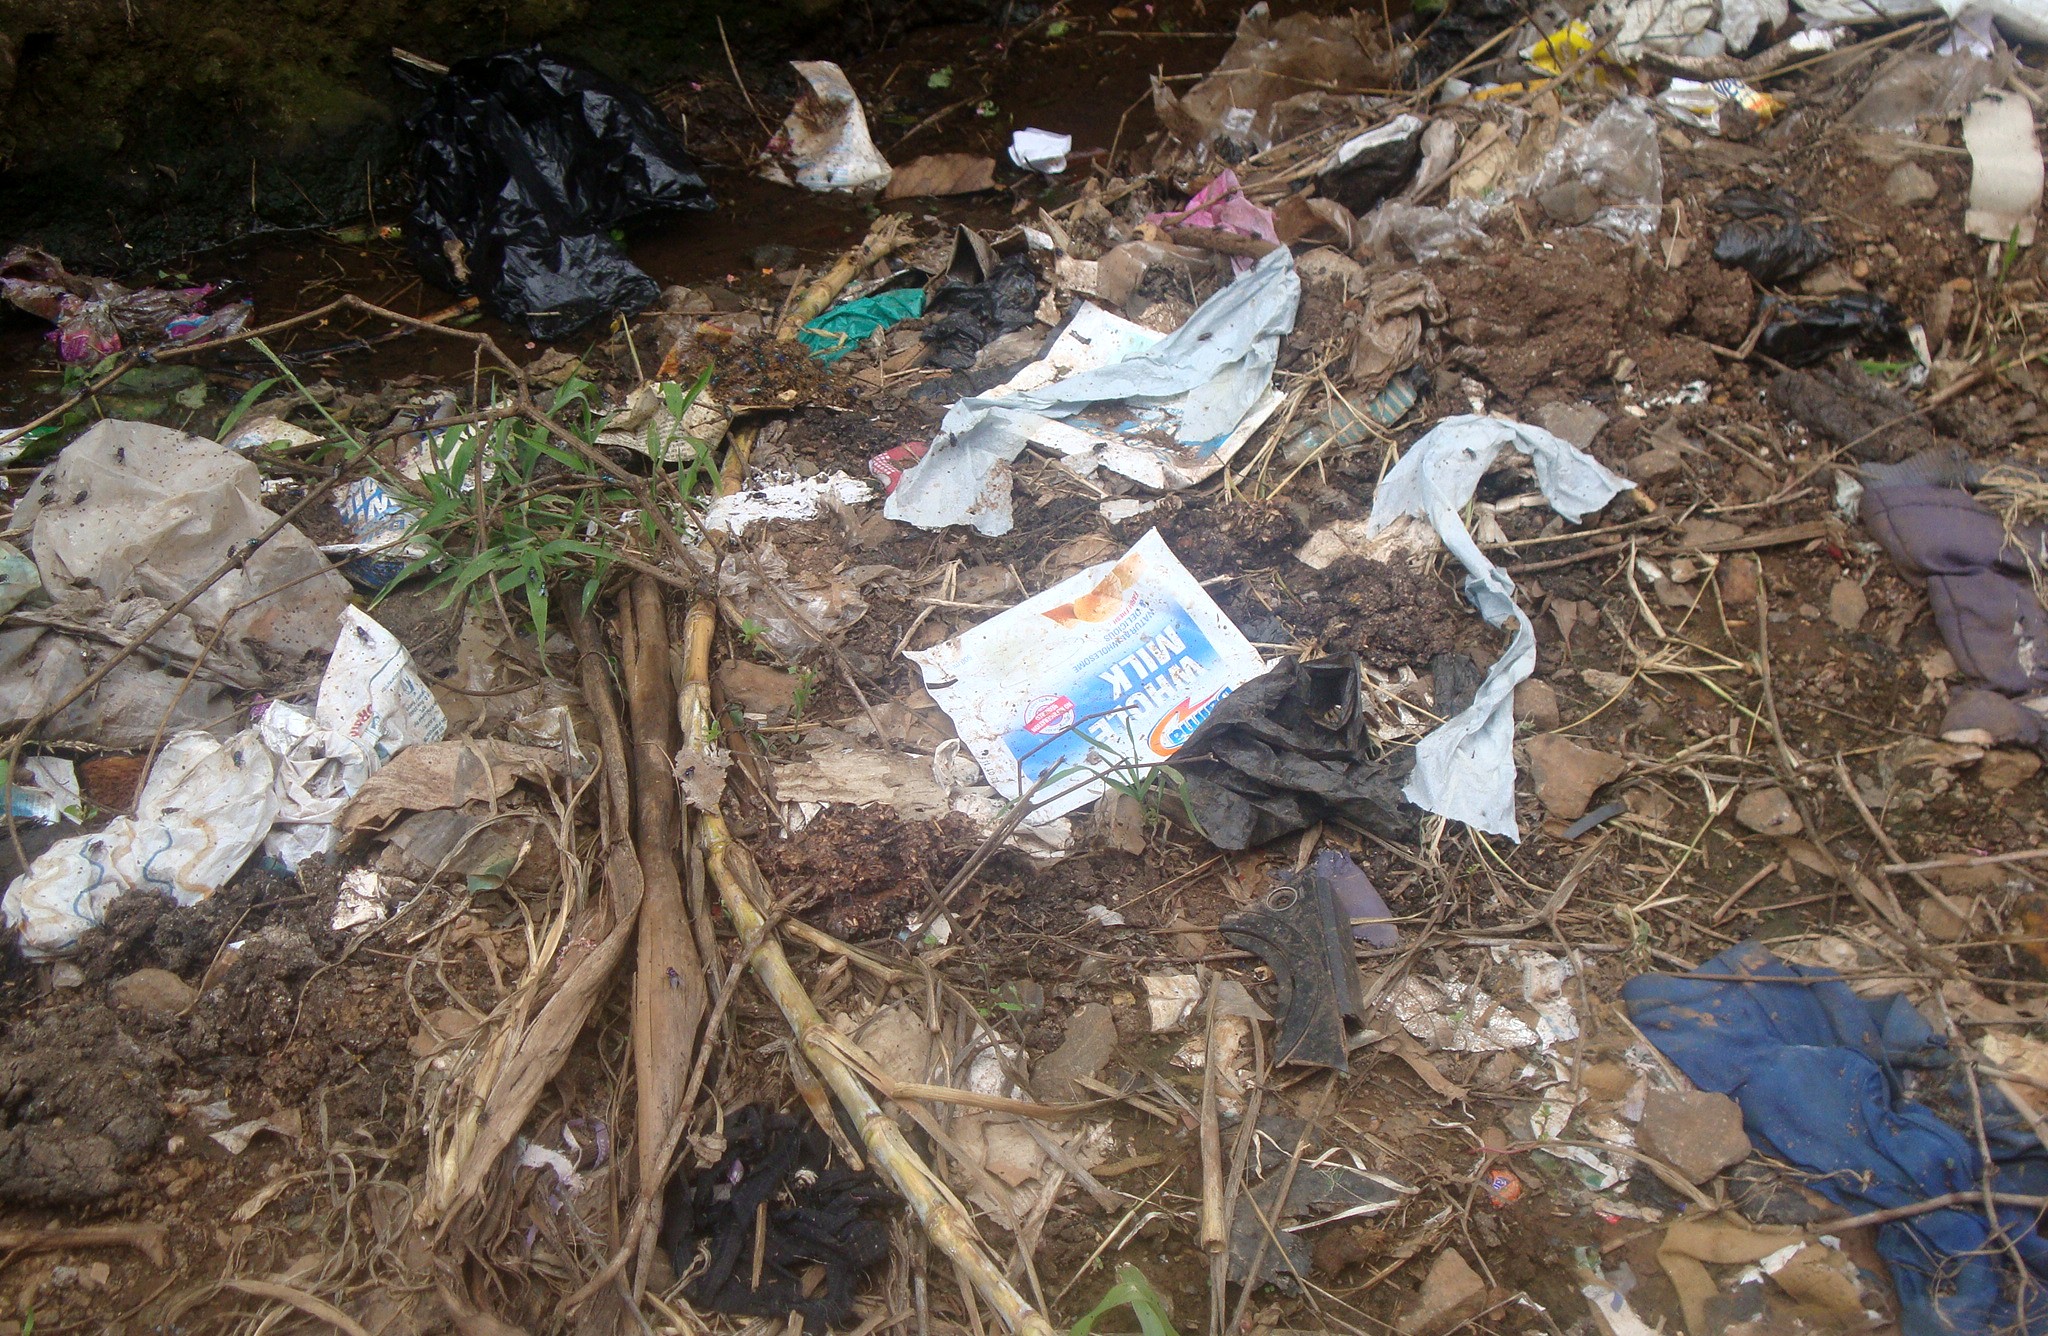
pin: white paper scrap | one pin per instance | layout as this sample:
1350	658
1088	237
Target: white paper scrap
1041	151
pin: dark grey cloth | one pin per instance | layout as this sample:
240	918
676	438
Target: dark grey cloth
1976	575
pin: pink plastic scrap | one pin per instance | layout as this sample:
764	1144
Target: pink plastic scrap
1221	206
94	315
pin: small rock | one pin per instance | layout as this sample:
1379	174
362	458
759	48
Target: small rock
1910	183
1567	774
1569	202
65	974
1754	483
1830	280
152	992
1452	1292
1119	823
1848	605
1697	1132
1607	1080
1940	922
1769	812
1090	1042
1187	939
1578	423
1652	464
1706	533
1536	705
1739	581
757	688
2003	770
1807	612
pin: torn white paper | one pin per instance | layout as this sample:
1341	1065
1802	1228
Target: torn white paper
1465	768
2005	168
1041	151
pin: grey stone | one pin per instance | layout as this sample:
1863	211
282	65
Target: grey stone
1578	423
1697	1132
1910	183
1452	1293
1570	202
1089	1044
152	992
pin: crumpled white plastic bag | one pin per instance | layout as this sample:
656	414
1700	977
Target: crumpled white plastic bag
825	140
372	705
1465	768
207	805
1203	379
202	812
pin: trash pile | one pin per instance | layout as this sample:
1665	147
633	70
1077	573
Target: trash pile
1406	699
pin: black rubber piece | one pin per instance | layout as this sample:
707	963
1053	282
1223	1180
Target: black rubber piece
1305	940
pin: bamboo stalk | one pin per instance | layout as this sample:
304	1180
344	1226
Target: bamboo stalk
884	238
503	1095
1214	1240
741	891
669	994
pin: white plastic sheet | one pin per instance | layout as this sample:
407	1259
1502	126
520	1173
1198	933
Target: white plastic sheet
202	812
371	706
1041	151
1465	769
1199	385
207	805
825	140
1107	672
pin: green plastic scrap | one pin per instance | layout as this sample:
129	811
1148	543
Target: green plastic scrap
837	332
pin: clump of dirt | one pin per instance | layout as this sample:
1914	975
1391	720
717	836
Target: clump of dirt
1554	317
84	1105
1390	614
864	870
1242	536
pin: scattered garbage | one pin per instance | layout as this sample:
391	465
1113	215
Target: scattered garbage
1800	333
1368	168
1273	72
1206	387
965	316
208	804
776	1203
1041	151
1221	206
1301	934
1767	239
1609	175
1463	768
1726	107
130	517
95	317
1095	681
1977	570
824	143
846	326
525	164
1287	749
2005	169
1819	1073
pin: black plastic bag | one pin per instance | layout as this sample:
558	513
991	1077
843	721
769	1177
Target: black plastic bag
779	1185
1289	749
962	319
1767	239
1369	167
1801	333
524	163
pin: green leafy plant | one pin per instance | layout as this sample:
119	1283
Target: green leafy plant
941	77
1058	28
806	692
1134	1290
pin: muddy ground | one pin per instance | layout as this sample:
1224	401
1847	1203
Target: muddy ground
1715	661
